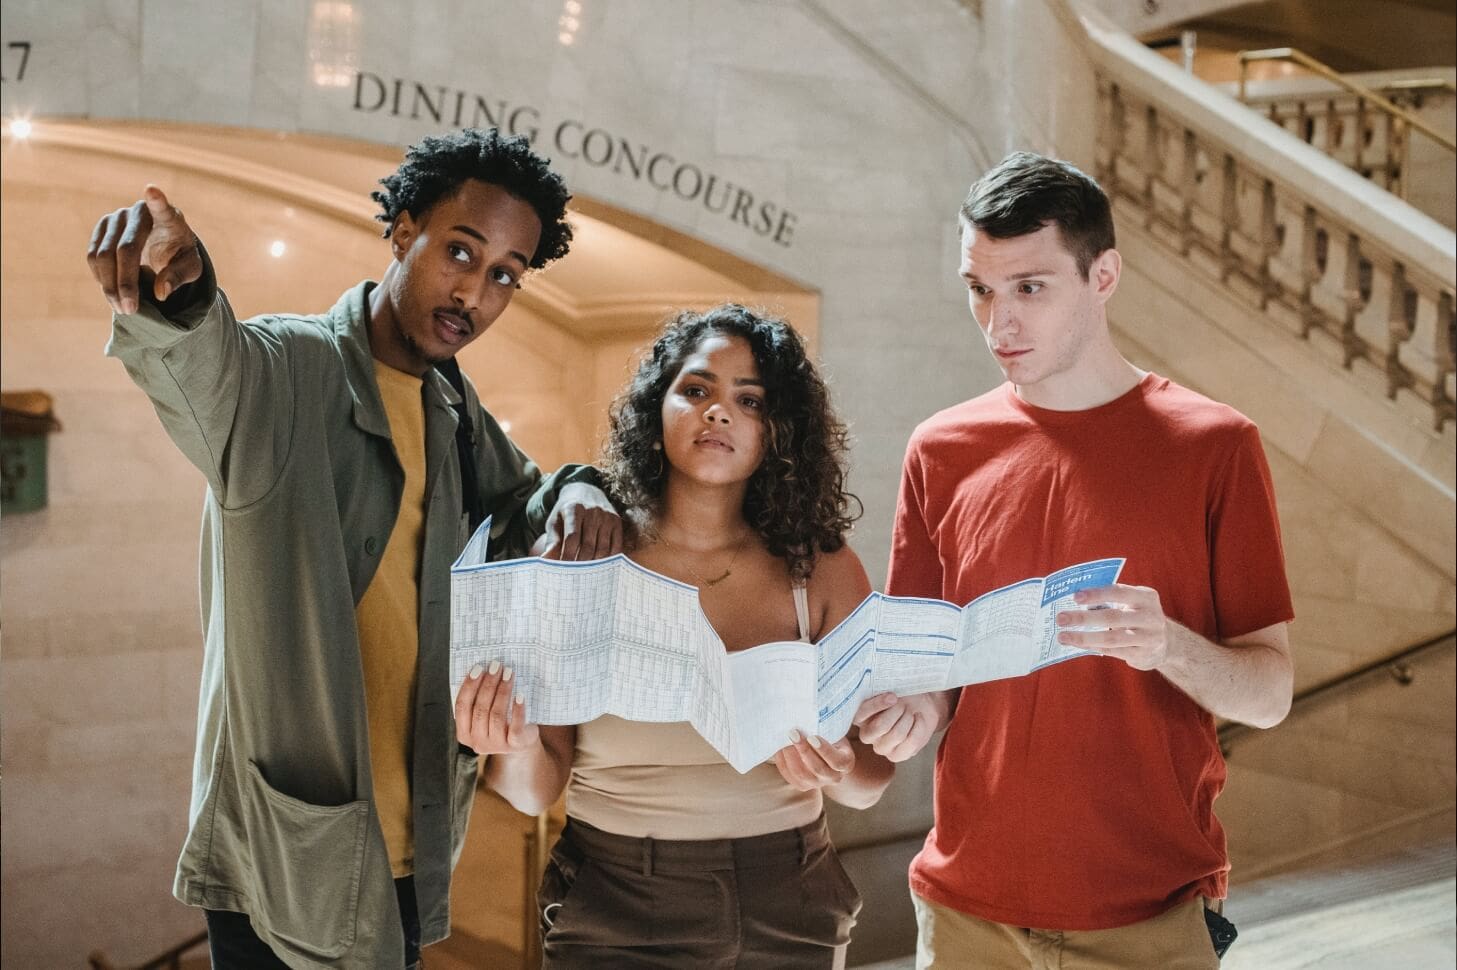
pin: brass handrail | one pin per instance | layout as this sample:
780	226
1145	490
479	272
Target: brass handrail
1397	666
1330	74
1402	86
1421	84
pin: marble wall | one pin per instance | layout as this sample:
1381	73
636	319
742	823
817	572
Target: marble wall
864	124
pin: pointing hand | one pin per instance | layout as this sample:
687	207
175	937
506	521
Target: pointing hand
148	243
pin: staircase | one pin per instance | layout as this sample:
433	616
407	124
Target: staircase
1268	273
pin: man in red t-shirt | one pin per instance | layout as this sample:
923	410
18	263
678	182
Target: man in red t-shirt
1074	820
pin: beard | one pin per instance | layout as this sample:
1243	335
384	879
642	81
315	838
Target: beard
434	360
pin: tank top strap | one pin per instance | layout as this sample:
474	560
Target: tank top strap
801	609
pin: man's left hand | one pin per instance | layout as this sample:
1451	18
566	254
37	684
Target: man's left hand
583	525
1120	621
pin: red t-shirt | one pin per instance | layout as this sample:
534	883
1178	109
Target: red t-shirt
1080	797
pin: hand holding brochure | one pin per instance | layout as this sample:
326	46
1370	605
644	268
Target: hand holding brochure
611	637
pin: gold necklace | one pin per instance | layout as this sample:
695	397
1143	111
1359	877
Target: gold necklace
678	554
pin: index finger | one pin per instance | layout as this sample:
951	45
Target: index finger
840	755
465	698
163	212
1115	595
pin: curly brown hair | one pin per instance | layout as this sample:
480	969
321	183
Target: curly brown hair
796	499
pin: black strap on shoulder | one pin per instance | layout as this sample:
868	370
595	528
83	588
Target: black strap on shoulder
470	492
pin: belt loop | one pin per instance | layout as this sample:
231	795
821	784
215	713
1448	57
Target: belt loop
647	857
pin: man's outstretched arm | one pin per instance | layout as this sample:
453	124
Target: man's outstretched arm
223	391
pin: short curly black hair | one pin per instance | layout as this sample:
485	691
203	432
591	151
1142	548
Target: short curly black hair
796	499
439	164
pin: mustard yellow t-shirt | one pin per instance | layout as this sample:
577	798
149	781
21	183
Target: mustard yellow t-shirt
389	633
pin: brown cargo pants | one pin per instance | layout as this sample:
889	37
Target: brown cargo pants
780	901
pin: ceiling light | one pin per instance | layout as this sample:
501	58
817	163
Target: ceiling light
333	43
278	248
20	127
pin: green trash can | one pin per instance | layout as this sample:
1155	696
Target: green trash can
26	420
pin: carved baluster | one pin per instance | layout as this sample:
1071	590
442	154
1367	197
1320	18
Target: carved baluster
1269	244
1117	138
1400	320
1360	145
1390	138
1355	297
1331	128
1399	152
1312	268
1102	170
1445	354
1229	219
1150	163
1188	188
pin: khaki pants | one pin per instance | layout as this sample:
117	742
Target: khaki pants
768	902
951	940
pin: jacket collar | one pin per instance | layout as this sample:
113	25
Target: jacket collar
350	319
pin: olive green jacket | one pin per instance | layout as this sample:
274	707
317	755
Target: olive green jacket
283	416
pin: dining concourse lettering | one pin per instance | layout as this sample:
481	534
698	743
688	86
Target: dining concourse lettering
577	140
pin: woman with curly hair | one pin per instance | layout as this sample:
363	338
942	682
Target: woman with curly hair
730	463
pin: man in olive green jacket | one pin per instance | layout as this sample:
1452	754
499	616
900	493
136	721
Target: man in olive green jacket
334	509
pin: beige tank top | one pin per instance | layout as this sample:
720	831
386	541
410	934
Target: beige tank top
663	781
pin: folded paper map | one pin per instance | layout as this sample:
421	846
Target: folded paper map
608	636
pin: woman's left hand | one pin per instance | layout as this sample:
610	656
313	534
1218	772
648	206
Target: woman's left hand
813	762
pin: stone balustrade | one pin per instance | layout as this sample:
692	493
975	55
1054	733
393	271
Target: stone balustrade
1371	142
1290	252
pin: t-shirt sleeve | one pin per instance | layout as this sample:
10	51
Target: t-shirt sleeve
915	563
1248	560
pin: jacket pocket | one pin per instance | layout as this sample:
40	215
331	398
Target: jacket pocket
307	861
462	797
